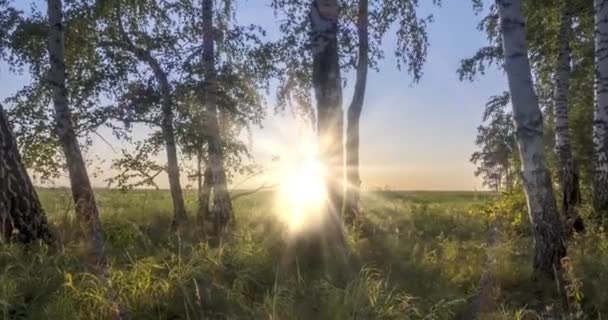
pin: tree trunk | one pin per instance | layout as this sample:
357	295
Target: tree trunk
20	208
221	199
508	179
353	180
327	84
567	172
600	123
179	207
82	192
204	193
548	231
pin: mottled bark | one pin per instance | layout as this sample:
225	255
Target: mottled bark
353	180
222	204
600	117
549	243
21	214
82	192
327	84
179	207
567	172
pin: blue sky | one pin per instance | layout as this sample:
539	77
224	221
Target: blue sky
415	137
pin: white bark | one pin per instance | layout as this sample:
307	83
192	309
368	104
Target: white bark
86	208
562	82
600	127
221	198
567	171
82	191
548	230
327	84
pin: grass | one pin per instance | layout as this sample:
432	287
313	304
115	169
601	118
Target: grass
417	255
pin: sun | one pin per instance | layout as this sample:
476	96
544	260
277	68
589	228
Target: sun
302	192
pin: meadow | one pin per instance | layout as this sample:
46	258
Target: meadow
415	255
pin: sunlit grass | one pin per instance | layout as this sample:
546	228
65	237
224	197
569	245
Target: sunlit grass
421	256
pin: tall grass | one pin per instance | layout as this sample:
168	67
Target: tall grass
415	256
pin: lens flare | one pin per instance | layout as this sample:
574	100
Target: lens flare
302	193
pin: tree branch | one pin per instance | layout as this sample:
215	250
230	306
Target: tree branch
250	192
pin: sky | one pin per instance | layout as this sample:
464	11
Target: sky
413	136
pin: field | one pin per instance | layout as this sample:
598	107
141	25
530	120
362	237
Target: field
417	255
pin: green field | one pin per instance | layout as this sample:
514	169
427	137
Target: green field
417	255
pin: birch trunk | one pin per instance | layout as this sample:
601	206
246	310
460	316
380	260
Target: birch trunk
82	192
20	208
179	207
567	172
204	192
600	123
353	180
221	199
549	243
327	84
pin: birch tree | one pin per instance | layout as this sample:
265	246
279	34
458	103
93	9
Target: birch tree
327	84
568	175
145	55
549	242
22	217
353	179
362	28
600	118
90	75
496	142
222	202
82	191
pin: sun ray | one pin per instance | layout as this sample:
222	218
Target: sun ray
302	193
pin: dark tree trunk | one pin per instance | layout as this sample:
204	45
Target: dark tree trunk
353	180
567	171
221	197
179	207
327	84
549	242
20	208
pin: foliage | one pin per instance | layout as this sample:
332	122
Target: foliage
495	160
294	55
543	21
91	71
169	32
